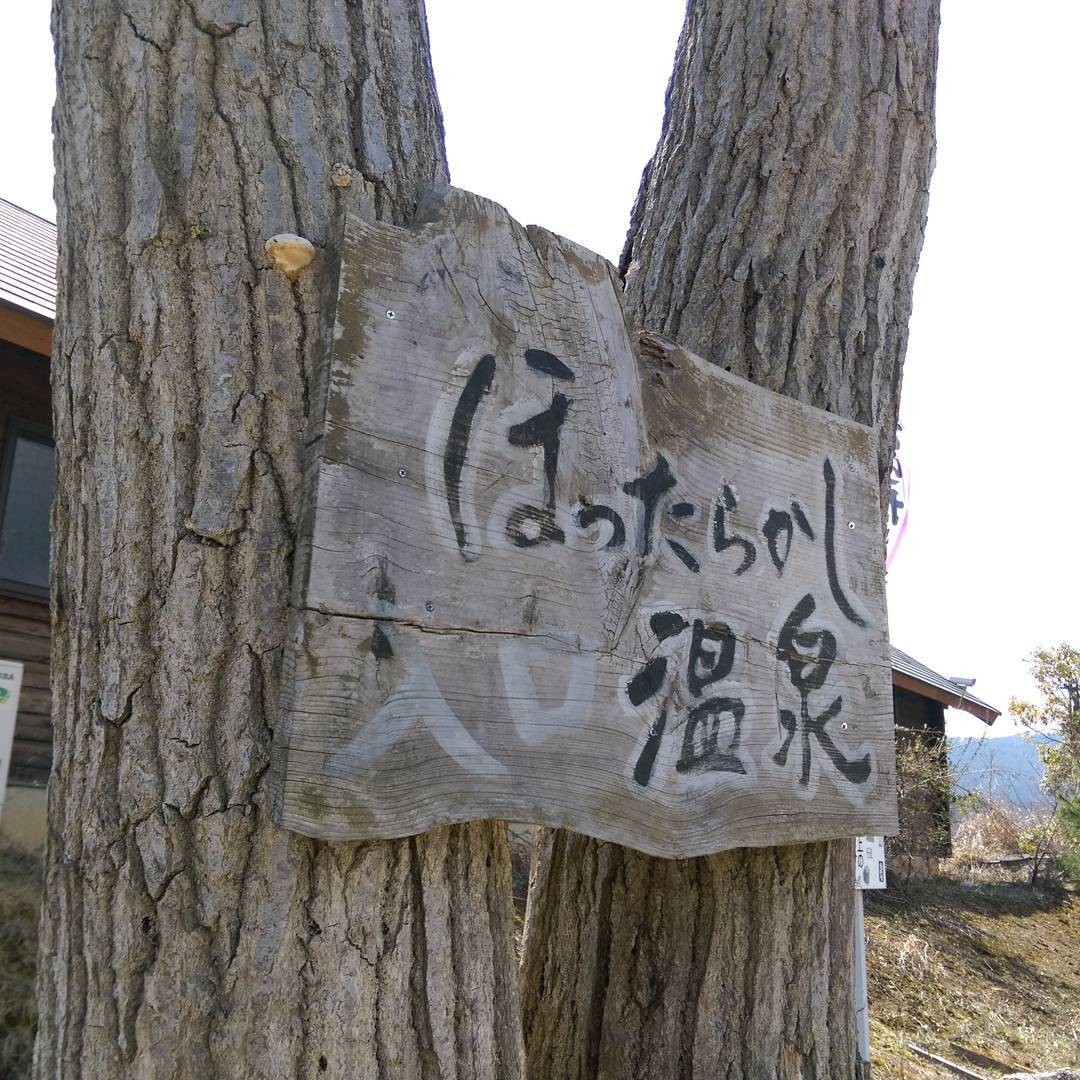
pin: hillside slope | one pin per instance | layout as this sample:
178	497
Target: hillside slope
1006	768
994	969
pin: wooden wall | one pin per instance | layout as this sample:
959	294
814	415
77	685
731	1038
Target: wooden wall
24	624
914	712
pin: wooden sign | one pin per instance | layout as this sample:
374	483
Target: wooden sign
551	576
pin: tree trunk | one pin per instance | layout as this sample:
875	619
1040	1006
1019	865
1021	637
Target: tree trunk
776	232
183	934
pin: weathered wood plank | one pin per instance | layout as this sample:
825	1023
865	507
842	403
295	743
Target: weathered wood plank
22	624
36	611
27	647
35	675
35	703
550	576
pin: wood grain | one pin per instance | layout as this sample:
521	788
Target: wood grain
553	574
26	331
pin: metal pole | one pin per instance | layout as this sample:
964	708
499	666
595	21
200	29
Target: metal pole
862	1010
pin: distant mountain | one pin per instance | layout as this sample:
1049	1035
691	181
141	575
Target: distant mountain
1008	768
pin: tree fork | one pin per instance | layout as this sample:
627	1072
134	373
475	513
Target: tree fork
183	934
777	233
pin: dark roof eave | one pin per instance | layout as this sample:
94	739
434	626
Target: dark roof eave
26	328
978	709
29	312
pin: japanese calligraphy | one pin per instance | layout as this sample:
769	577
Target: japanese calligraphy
710	658
711	644
809	654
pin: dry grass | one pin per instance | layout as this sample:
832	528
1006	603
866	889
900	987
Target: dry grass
20	890
995	969
995	830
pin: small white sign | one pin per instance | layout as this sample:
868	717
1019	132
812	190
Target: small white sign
10	684
870	862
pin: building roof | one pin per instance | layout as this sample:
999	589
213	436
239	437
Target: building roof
909	674
27	261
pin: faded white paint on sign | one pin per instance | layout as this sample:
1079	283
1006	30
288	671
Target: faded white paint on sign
552	574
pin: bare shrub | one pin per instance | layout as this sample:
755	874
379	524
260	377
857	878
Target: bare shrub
992	832
923	784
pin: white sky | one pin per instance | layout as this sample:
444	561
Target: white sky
553	107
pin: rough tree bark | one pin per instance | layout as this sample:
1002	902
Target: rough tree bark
183	934
776	232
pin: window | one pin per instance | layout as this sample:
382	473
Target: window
26	489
